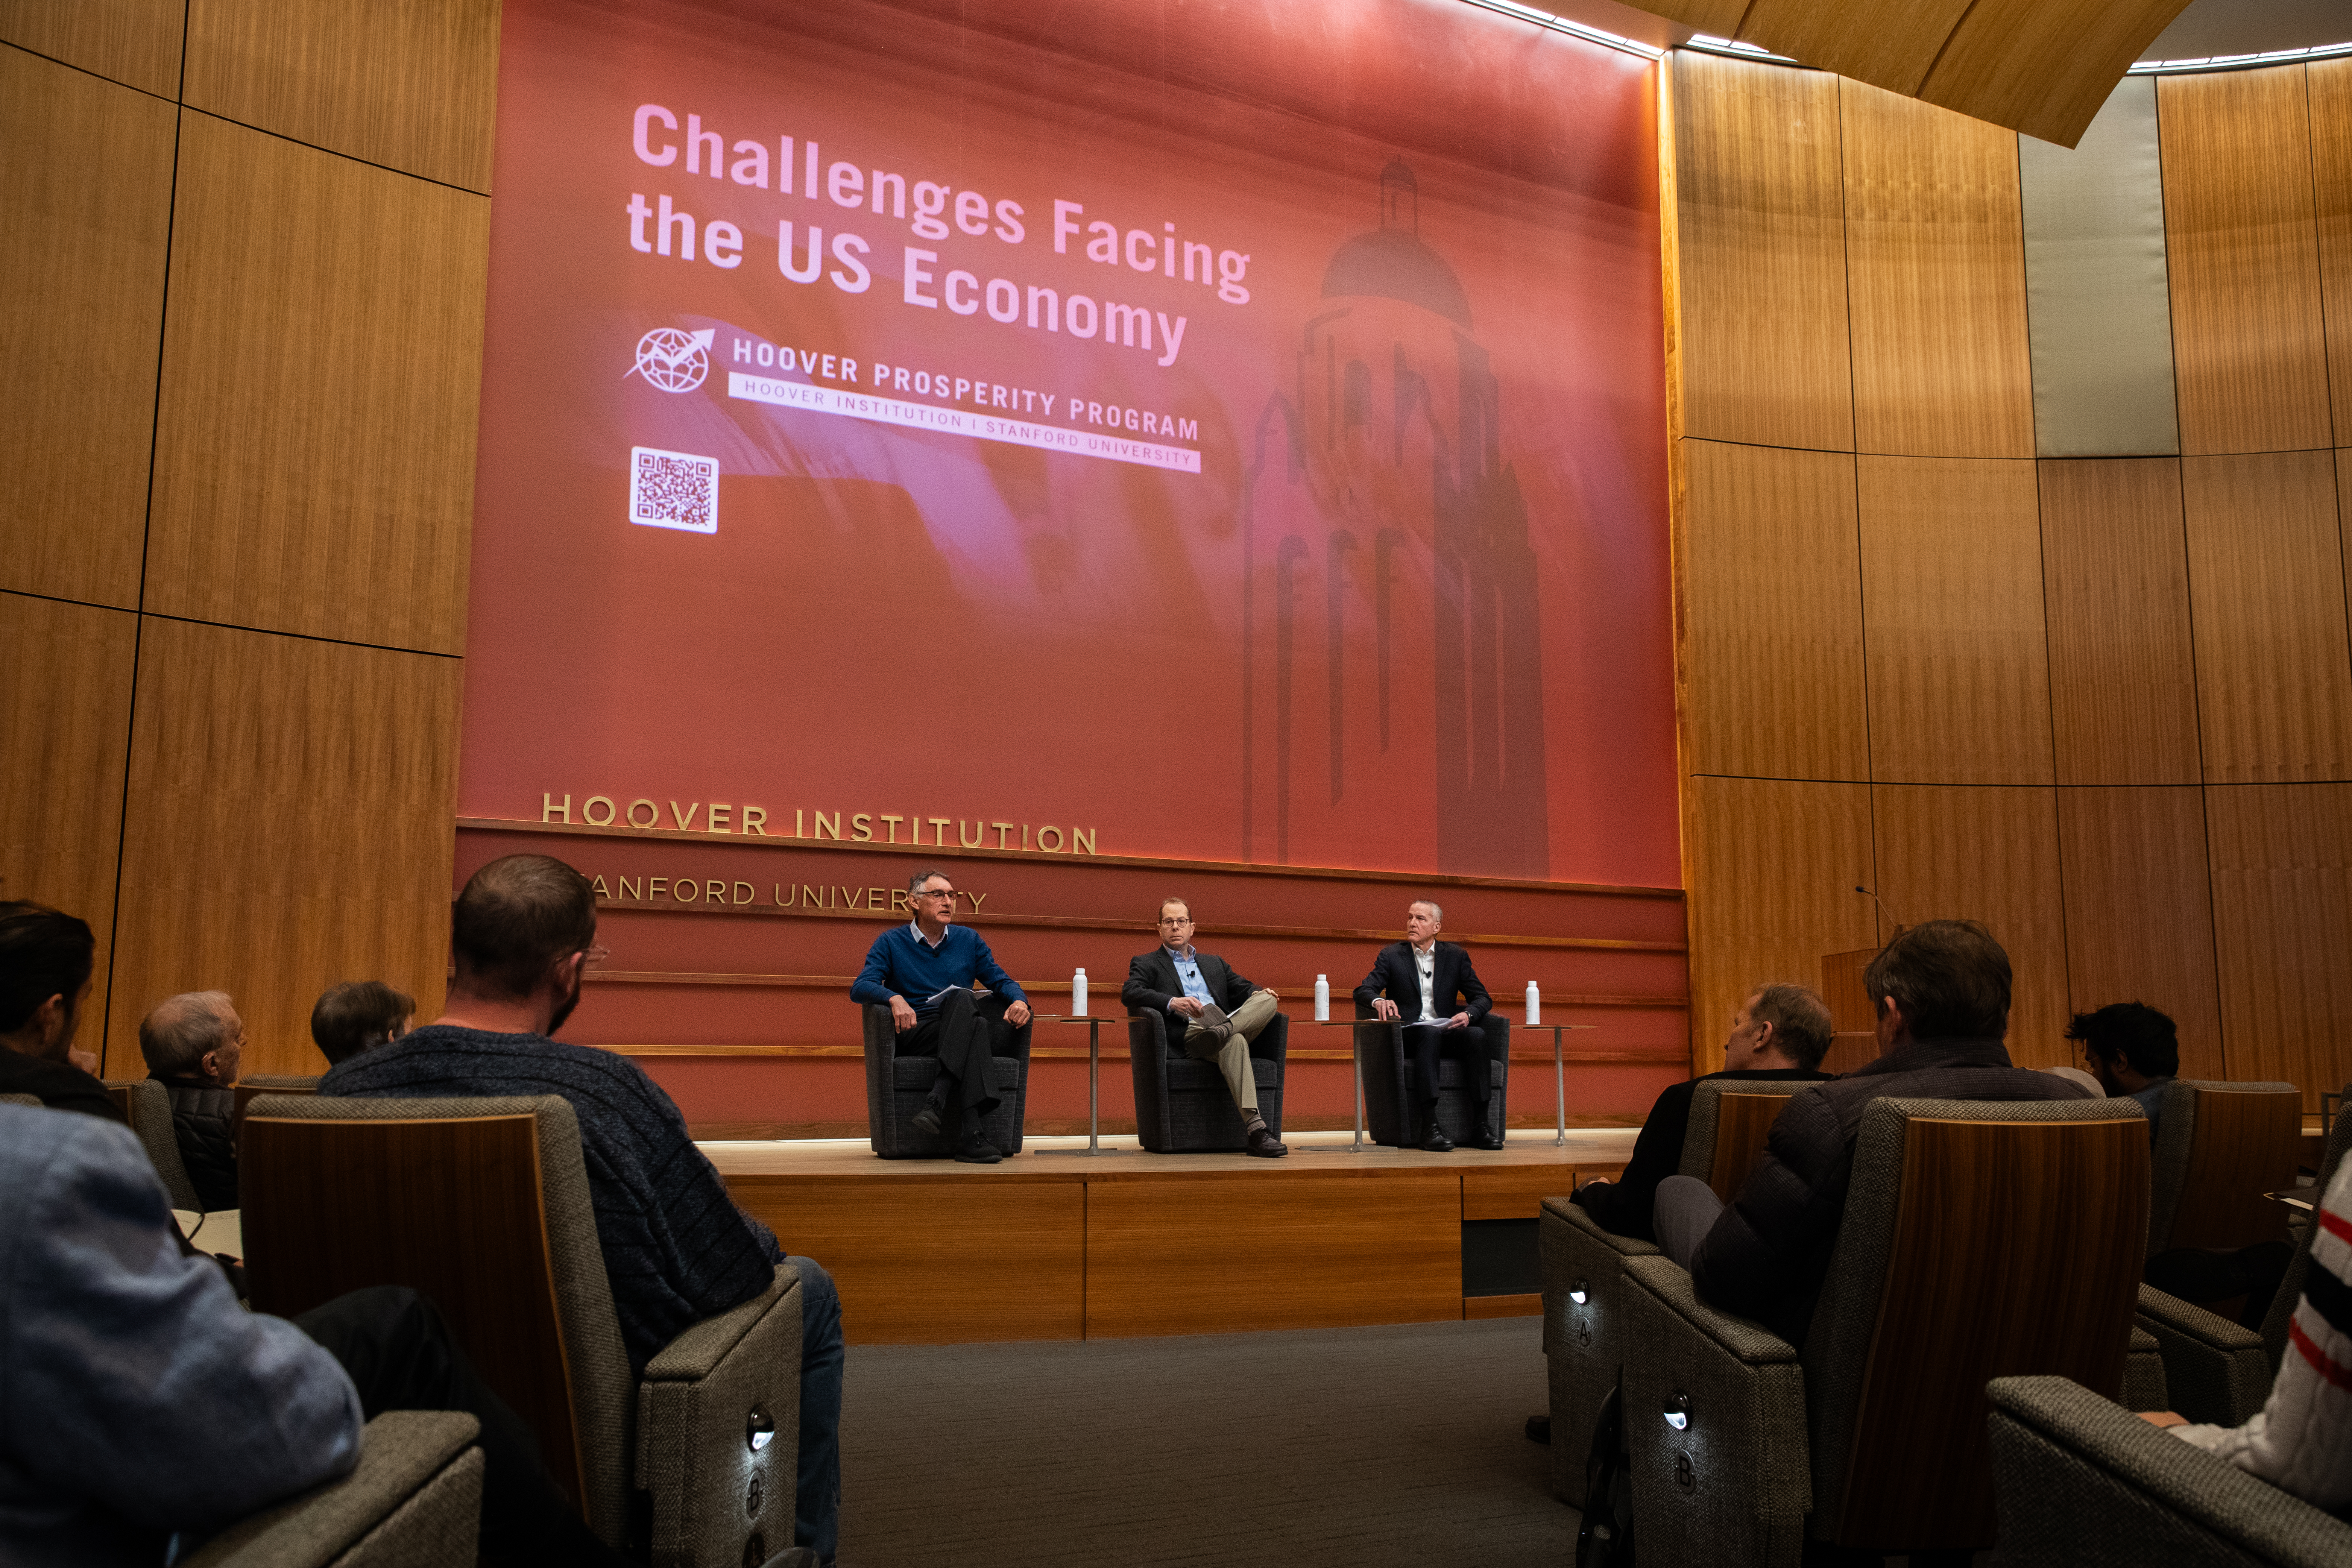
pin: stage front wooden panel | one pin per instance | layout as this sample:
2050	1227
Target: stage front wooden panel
1517	1191
1205	1254
930	1259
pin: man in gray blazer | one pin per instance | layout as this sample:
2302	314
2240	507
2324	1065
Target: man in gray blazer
1210	1011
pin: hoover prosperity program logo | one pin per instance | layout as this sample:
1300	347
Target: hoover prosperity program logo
674	361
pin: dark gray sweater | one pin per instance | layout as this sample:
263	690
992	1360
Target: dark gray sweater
677	1248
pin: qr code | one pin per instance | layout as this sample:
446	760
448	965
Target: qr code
673	489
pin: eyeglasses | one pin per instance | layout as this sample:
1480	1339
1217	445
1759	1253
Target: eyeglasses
936	893
592	956
1175	919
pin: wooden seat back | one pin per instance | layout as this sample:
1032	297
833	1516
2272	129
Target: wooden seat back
1742	1123
454	1209
2015	1251
2246	1143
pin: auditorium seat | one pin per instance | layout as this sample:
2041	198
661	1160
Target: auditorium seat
896	1085
1979	1239
2214	1371
31	1099
148	1106
1181	1104
1583	1343
484	1206
1388	1077
415	1498
2219	1147
2079	1480
2290	1291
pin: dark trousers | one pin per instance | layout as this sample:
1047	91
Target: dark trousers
962	1037
1424	1047
400	1355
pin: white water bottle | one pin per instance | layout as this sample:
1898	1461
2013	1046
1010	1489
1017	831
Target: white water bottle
1078	995
1322	1000
1535	1005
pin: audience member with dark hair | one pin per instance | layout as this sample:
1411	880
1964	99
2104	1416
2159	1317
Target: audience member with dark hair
359	1016
144	1408
45	964
1941	991
1782	1031
675	1247
2131	1048
193	1044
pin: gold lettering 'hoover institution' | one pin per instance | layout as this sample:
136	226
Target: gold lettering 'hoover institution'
863	826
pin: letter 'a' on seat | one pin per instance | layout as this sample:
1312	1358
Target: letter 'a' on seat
1182	1103
483	1205
1388	1082
2290	1291
1583	1343
1981	1239
896	1086
415	1498
2082	1482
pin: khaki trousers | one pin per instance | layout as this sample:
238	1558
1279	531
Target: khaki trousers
1249	1020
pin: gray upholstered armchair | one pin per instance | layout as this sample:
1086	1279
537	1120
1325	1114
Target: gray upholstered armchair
2081	1480
1182	1105
151	1119
1979	1239
415	1498
1388	1076
896	1086
1582	1266
484	1206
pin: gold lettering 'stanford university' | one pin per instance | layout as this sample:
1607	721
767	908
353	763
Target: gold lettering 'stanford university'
721	894
863	826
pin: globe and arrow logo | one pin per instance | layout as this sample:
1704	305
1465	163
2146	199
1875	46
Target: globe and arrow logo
674	361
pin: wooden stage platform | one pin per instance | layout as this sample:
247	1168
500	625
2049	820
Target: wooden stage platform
1047	1247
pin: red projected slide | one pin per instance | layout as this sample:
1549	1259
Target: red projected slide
1082	428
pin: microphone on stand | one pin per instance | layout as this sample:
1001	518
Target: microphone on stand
1885	913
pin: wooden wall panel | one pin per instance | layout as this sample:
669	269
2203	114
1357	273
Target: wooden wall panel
1772	603
287	828
1952	564
412	87
1761	239
2241	244
2282	912
1771	868
337	501
87	187
1934	241
2123	670
135	42
2139	914
65	726
2330	85
2266	582
1988	855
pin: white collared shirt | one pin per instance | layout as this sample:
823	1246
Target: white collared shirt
917	927
1426	960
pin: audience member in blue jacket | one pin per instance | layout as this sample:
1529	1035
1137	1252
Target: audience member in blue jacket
923	972
144	1408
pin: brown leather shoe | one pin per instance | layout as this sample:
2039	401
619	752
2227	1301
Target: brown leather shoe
1263	1144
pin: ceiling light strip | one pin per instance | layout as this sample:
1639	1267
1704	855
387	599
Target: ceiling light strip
1562	25
2236	62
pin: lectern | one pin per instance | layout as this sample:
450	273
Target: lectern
1853	1040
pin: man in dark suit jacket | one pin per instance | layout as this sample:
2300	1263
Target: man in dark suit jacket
1430	986
45	958
1211	1010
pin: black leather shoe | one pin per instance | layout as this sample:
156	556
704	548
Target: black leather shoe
928	1120
1435	1140
1482	1138
977	1151
1263	1144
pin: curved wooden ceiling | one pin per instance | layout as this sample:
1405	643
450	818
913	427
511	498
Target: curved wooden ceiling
2041	67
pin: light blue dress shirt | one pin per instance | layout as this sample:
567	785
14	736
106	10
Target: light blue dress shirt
1188	973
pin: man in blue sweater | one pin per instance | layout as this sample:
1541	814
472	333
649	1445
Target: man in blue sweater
676	1249
923	972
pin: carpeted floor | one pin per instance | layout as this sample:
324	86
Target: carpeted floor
1357	1446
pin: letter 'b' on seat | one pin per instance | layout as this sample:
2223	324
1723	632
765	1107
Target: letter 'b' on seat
483	1205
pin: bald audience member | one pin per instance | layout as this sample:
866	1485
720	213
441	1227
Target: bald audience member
1782	1031
1941	994
193	1044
